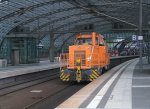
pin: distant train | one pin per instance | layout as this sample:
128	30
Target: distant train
86	58
127	48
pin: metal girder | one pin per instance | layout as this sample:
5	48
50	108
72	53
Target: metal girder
58	36
127	17
125	13
69	23
54	37
71	31
80	31
60	19
23	10
103	14
57	32
62	32
124	9
115	3
74	22
48	14
54	21
131	29
130	11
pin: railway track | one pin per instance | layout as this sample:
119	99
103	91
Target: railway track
34	104
51	101
12	87
52	85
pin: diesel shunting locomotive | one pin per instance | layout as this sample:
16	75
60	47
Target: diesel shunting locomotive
86	58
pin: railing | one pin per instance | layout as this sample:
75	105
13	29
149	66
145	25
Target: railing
94	61
64	58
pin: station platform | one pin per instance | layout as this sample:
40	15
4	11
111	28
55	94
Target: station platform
11	71
123	87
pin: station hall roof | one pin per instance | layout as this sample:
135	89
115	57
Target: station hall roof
43	16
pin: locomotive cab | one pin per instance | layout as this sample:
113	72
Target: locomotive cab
86	58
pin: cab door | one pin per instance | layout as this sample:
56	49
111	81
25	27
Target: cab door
102	52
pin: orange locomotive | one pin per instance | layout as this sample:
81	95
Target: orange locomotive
85	59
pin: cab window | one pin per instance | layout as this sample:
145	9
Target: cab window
101	42
84	41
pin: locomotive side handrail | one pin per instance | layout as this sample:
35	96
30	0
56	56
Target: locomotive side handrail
64	58
93	62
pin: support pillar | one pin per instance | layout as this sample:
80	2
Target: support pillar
15	56
140	33
25	51
148	52
52	47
